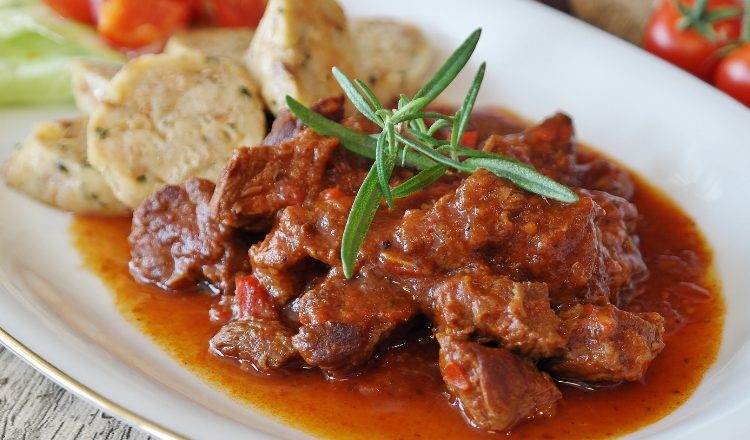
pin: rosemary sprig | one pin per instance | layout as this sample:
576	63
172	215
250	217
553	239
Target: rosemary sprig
406	139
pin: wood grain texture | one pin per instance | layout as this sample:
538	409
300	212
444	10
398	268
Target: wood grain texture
33	407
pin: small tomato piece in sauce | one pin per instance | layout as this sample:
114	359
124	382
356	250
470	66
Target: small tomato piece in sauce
78	10
239	13
332	194
133	25
253	300
733	74
688	48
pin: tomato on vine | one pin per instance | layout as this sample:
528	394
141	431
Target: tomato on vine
688	33
733	73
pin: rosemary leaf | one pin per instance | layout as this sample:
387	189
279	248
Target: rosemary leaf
437	125
384	163
358	223
450	69
410	108
355	96
419	181
434	155
420	116
467	107
369	94
524	177
470	152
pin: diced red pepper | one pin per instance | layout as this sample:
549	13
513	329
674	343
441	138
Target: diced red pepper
253	300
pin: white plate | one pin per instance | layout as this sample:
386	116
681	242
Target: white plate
689	139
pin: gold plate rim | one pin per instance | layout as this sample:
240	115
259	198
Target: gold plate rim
82	391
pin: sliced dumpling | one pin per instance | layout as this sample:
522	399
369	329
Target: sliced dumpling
90	80
394	57
51	167
230	43
294	49
171	117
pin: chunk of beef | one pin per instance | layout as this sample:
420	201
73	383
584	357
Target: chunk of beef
257	182
266	344
302	236
624	264
550	147
603	175
175	244
286	125
606	344
496	388
344	321
523	236
516	314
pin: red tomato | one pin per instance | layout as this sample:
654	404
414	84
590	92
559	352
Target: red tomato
689	49
238	13
733	74
131	24
78	10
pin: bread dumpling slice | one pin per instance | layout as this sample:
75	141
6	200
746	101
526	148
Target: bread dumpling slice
295	46
51	167
171	117
230	43
90	81
394	57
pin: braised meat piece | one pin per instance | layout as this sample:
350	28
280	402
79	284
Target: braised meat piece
496	388
176	245
516	314
603	175
624	264
550	147
265	344
344	321
303	237
257	182
523	236
606	344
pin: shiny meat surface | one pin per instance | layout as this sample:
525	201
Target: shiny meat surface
343	321
496	388
257	182
606	344
301	237
480	303
176	245
487	220
550	147
265	344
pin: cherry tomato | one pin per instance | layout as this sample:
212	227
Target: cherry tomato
733	74
238	13
78	10
131	24
689	49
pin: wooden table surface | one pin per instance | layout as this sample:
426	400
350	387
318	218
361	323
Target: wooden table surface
33	407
